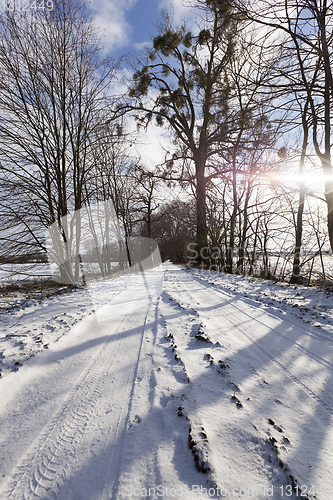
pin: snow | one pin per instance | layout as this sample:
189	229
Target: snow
30	322
213	387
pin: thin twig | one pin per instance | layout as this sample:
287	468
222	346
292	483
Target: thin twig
17	320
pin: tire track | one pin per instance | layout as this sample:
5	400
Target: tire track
325	405
111	482
42	470
312	355
293	377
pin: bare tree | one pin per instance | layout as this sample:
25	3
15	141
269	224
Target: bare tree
146	186
307	28
52	96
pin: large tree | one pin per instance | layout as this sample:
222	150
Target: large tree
184	85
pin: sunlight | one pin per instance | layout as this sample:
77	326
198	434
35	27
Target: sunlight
314	181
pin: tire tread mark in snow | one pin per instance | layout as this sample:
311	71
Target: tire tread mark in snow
307	389
296	380
312	355
64	434
132	372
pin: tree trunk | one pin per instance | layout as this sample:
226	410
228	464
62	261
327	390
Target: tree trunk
202	247
77	224
241	259
327	169
326	157
296	274
230	249
253	256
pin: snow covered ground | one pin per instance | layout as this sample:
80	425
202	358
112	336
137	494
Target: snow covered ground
218	387
33	313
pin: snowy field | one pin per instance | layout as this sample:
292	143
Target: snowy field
34	313
214	387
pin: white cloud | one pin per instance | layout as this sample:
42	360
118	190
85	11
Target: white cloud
142	45
149	145
180	8
110	16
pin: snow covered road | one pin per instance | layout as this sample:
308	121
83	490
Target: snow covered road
69	412
197	393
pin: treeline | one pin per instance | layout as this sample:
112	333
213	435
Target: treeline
245	93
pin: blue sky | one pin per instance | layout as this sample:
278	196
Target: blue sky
142	17
128	24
